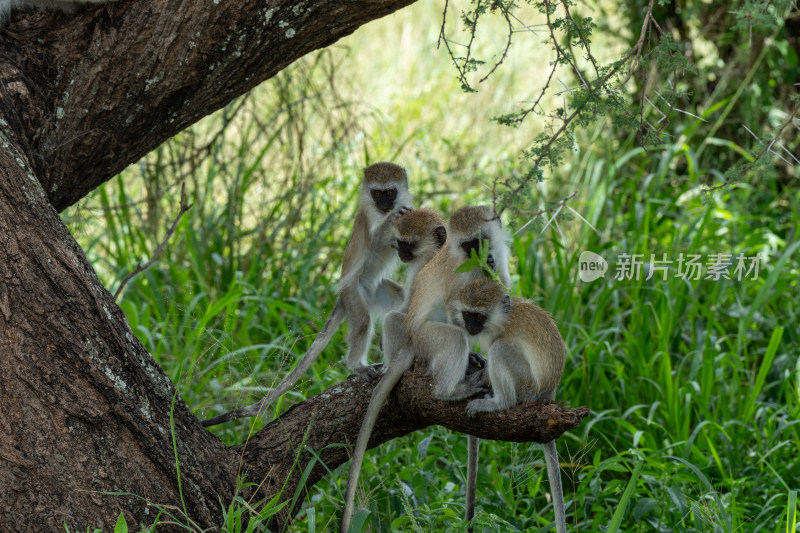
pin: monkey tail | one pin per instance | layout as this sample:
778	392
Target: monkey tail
379	396
323	338
554	474
472	478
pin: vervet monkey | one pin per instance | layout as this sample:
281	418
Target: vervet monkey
67	6
418	235
364	292
423	334
525	360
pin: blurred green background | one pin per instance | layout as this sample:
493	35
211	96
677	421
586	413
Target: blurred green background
694	385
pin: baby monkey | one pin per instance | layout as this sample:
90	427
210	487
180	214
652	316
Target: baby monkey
364	291
525	360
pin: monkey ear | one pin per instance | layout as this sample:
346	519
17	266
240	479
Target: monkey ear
507	303
440	234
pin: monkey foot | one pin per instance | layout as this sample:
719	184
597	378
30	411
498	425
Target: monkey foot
370	372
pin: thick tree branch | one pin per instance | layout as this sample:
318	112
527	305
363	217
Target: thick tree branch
334	417
89	94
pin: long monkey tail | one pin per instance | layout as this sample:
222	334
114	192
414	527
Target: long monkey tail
323	338
557	493
554	475
472	478
379	396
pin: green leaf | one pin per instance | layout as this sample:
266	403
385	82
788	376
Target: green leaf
643	506
122	525
616	519
766	364
791	511
468	265
359	519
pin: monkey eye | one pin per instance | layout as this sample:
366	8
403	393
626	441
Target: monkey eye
474	318
470	245
377	194
391	194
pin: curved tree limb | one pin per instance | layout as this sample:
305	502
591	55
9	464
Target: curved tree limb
334	417
89	94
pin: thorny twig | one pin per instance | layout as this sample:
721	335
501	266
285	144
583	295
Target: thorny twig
767	148
142	267
633	56
463	68
557	208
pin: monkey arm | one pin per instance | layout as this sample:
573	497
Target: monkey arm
381	236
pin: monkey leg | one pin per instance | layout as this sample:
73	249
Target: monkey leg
502	379
394	336
445	347
359	336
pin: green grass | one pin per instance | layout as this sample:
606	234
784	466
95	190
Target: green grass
694	385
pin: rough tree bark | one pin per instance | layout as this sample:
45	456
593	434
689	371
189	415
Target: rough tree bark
83	406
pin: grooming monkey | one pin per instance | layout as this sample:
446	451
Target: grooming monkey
364	292
525	362
423	334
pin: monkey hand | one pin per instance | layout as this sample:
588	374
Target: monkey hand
400	211
476	362
490	262
370	372
478	382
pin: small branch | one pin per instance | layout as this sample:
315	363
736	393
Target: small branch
508	45
633	54
767	148
557	208
142	267
583	40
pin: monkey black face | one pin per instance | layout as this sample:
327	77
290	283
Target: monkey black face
384	198
405	250
473	322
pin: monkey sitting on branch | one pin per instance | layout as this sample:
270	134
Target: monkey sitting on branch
525	360
365	293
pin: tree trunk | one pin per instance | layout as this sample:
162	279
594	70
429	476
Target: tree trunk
84	409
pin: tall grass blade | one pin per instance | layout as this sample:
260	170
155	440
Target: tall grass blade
766	364
622	507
